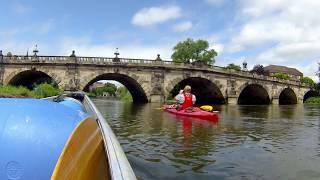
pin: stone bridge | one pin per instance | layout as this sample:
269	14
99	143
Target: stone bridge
153	80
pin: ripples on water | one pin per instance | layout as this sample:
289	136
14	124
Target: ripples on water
249	142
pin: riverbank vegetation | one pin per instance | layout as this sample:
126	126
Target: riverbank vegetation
108	89
39	91
112	91
313	100
124	94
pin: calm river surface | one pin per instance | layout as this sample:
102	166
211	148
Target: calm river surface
249	142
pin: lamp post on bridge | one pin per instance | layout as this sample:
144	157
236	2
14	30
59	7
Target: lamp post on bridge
35	53
245	66
116	59
73	57
158	58
1	56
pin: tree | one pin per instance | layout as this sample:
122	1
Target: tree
258	69
233	66
190	51
308	81
109	88
124	94
282	76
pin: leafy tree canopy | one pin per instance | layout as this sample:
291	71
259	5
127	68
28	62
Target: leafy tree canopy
308	81
282	76
109	88
233	66
190	51
258	69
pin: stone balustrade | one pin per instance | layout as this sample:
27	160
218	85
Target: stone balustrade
137	62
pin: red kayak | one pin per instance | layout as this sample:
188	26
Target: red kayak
196	113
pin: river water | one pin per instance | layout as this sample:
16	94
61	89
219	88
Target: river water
248	142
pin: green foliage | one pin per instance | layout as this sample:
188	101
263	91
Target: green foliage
282	76
258	69
308	81
313	100
190	50
90	94
124	94
44	90
109	88
14	91
40	91
233	66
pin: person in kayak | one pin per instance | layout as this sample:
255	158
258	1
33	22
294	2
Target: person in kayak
185	99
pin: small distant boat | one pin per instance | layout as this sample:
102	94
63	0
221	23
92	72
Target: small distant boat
196	113
62	137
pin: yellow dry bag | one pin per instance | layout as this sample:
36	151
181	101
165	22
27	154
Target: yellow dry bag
206	108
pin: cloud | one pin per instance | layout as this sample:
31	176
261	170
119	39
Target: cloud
155	15
32	29
262	32
283	32
84	47
218	48
277	22
183	26
19	8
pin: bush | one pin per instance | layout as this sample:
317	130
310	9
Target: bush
258	69
15	91
109	88
44	90
308	81
233	66
91	94
313	100
282	76
40	91
124	94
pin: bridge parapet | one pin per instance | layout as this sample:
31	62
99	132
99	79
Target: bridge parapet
141	62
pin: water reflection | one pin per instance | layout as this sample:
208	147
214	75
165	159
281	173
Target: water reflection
252	142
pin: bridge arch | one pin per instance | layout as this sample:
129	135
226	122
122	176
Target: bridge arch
206	91
253	94
310	93
288	96
28	78
135	88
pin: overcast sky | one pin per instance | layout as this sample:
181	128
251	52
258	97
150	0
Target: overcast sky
282	32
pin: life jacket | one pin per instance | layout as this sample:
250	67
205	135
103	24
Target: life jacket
187	101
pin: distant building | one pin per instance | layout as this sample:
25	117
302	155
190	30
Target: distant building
292	72
96	85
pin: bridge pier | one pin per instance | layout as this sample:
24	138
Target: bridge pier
152	79
275	100
299	101
156	98
233	100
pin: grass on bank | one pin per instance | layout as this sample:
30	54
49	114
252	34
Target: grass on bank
313	100
39	91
